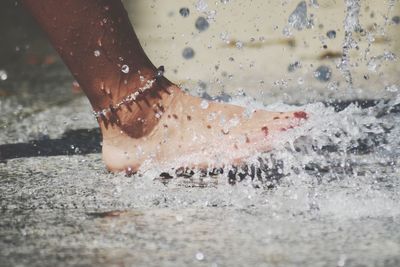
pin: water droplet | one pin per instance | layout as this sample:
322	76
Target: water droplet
199	256
184	11
202	85
201	24
372	64
125	68
323	73
392	88
294	66
342	261
240	92
376	62
212	116
23	232
96	53
314	3
333	86
160	71
201	5
118	190
204	104
108	91
224	37
298	18
224	1
389	56
3	75
331	34
188	53
286	31
239	44
211	15
396	20
129	170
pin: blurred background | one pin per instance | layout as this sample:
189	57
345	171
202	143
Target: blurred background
286	51
274	50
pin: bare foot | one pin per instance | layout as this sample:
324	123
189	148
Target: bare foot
163	125
191	132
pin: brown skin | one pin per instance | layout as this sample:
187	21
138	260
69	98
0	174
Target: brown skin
77	29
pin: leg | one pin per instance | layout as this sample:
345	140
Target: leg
97	42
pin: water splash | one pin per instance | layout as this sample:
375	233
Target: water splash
298	18
351	25
376	62
125	69
3	75
338	180
184	11
201	5
201	24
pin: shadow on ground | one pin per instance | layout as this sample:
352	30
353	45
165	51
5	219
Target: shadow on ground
81	141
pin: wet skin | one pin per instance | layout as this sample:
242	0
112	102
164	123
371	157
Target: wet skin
191	134
165	126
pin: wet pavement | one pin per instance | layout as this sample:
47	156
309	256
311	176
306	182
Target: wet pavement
336	204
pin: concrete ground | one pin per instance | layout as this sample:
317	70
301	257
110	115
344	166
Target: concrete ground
337	204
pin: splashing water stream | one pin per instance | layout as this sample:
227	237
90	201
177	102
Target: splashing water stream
351	25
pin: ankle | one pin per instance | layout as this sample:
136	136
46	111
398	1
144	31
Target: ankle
133	89
138	117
